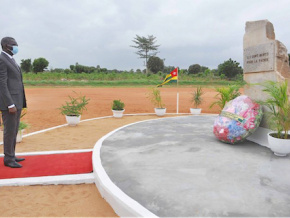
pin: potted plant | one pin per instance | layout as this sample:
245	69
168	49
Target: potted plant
278	116
118	108
74	108
21	128
196	100
155	97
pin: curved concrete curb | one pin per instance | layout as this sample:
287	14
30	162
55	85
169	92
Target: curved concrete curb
96	118
55	180
122	204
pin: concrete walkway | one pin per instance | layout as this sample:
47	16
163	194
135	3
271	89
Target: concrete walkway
176	167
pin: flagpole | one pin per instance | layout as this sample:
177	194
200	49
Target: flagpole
177	94
169	78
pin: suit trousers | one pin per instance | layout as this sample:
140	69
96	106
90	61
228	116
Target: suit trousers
11	124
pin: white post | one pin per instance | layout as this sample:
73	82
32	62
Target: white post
177	99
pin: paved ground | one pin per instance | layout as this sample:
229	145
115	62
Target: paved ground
176	167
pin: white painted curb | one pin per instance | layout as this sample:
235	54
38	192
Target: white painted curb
51	152
96	118
50	180
56	180
122	204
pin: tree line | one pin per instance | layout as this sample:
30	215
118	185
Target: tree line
229	69
146	49
38	65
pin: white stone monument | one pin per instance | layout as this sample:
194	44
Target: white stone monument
265	58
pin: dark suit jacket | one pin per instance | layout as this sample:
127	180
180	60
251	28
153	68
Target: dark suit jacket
11	84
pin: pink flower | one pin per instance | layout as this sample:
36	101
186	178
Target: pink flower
250	123
245	114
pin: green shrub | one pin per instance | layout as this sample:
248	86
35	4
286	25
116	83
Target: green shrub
196	98
225	94
155	97
22	125
75	106
278	116
118	105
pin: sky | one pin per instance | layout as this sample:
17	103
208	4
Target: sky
100	32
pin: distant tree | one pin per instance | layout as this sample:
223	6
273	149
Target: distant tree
203	68
78	68
25	65
155	64
207	73
57	70
230	69
215	72
72	67
182	71
67	71
168	69
194	69
104	70
144	46
289	59
39	65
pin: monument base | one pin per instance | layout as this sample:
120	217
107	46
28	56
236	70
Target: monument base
260	136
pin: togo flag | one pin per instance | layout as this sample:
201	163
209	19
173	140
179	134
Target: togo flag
172	77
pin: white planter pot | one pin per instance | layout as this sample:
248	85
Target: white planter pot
118	113
280	147
195	111
72	120
19	136
160	111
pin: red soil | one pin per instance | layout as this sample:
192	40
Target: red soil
43	103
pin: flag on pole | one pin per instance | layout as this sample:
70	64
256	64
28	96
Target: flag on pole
172	77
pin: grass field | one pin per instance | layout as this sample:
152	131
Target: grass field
117	79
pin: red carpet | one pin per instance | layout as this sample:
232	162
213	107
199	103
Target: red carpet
49	165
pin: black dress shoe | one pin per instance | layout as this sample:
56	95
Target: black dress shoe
19	159
13	165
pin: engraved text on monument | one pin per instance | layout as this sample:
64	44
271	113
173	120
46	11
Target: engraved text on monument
259	58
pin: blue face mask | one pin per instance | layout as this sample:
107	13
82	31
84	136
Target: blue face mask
14	49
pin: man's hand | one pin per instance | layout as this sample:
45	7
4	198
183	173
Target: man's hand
12	110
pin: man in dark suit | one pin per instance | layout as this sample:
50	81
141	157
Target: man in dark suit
12	99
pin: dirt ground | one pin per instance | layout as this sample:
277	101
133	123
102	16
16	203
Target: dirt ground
43	103
79	200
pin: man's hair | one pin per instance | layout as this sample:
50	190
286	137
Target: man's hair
6	40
